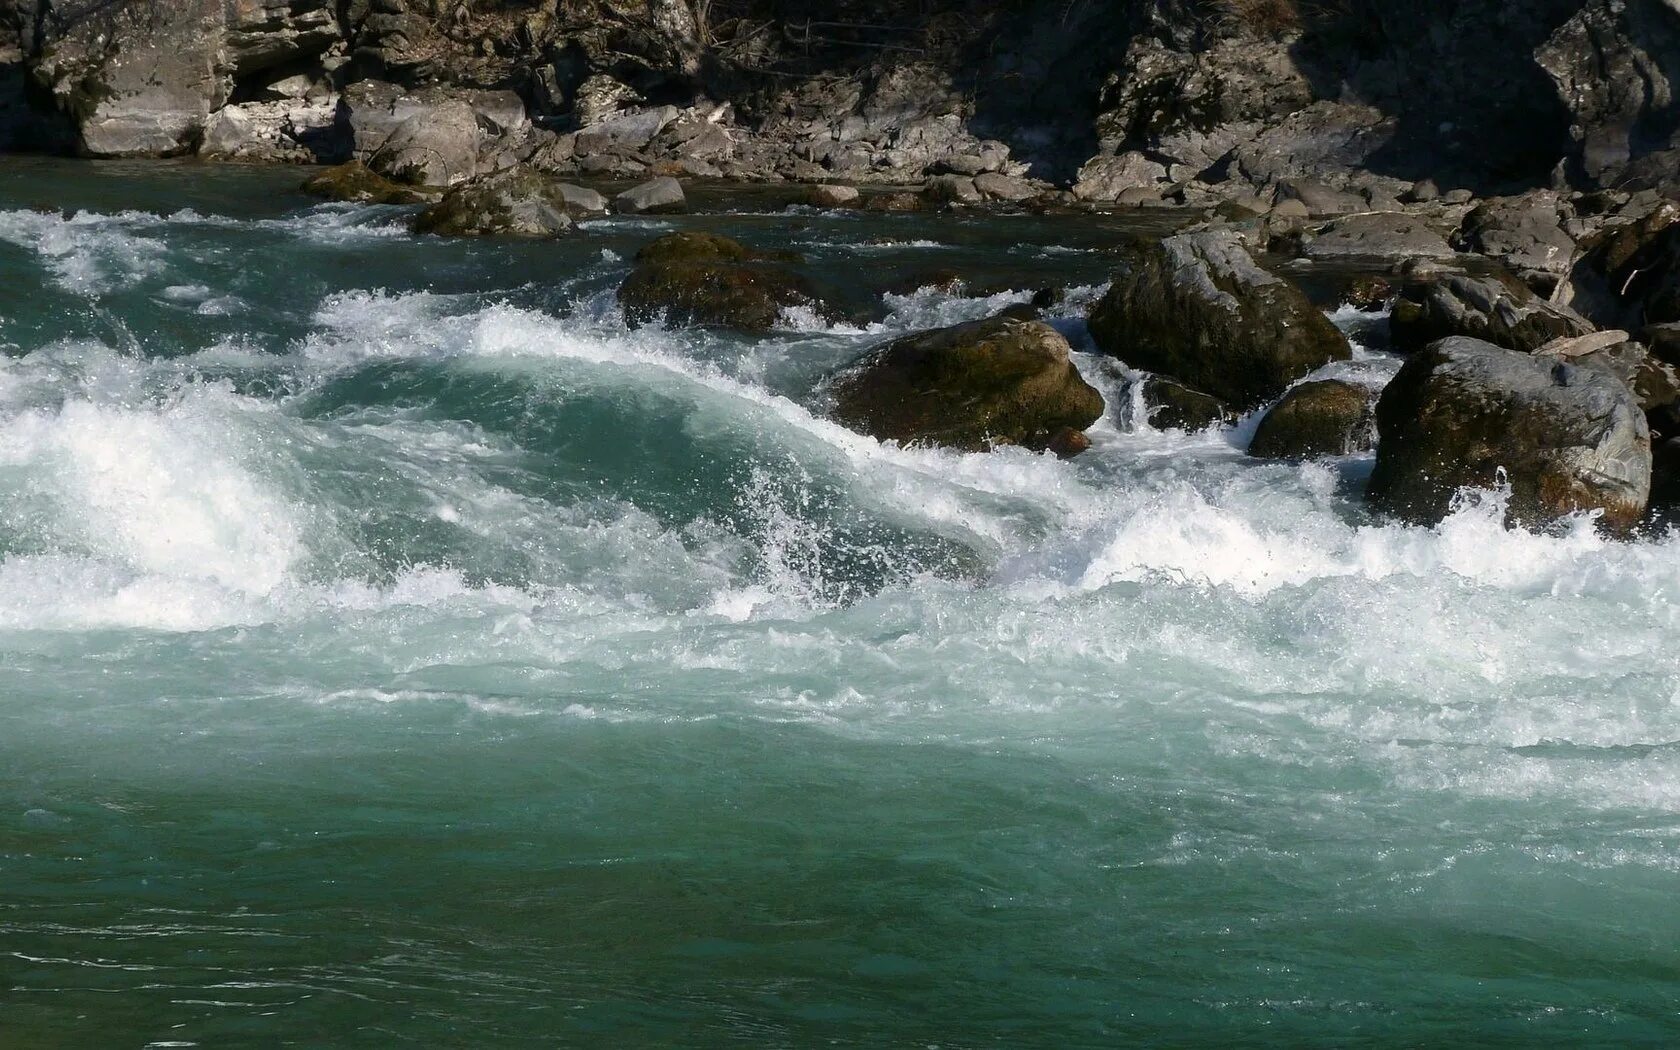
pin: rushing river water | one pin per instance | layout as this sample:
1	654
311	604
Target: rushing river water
395	650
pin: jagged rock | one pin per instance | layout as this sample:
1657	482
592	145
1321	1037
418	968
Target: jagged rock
1197	308
517	202
1462	411
1497	311
1107	178
997	381
1524	233
629	131
352	181
709	280
1653	381
1628	276
655	197
1170	405
1377	235
1330	417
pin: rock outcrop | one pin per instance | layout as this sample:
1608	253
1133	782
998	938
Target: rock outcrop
1467	414
1498	311
1196	307
997	381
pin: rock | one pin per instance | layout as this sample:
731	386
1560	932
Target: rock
436	148
894	202
1004	187
581	202
659	196
1330	417
1462	411
1107	178
1368	293
517	202
352	181
1501	312
1524	233
1197	308
1628	276
1423	191
829	195
1067	442
1319	198
1664	341
630	131
1654	382
1170	405
708	280
952	189
972	386
1377	235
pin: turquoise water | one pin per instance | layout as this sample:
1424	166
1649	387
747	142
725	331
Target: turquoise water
397	651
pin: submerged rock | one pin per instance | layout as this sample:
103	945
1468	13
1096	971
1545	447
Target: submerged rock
1330	417
518	202
1497	311
998	381
1463	411
352	181
706	279
1196	307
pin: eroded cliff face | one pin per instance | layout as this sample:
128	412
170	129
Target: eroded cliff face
1134	97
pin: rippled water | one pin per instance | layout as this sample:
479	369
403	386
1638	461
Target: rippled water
399	651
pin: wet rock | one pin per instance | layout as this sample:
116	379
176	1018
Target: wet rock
581	202
659	196
707	280
1655	382
994	186
1377	235
972	386
894	202
1329	417
1197	308
1367	292
352	181
953	189
518	202
1502	312
1170	405
1524	233
829	195
1462	411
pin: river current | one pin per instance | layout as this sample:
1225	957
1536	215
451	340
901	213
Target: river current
397	650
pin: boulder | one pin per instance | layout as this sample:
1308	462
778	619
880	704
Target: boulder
660	196
829	195
1004	187
1330	417
972	386
352	181
630	131
952	189
1319	198
1628	276
1463	412
1524	233
517	202
436	148
1106	178
708	280
1197	308
1502	312
1170	405
581	202
1377	235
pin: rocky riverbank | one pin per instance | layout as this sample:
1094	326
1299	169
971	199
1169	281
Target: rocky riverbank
1508	165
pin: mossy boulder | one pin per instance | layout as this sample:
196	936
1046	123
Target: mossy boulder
708	280
515	202
1330	417
1497	310
354	181
1462	413
1197	308
971	386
